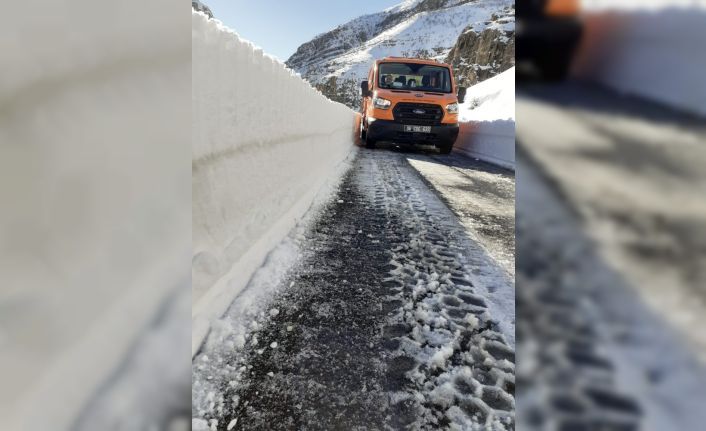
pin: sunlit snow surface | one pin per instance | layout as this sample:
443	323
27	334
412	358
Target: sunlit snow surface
487	120
490	100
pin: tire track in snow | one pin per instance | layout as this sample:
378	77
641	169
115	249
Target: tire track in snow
391	321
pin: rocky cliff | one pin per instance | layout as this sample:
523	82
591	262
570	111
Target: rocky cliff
479	55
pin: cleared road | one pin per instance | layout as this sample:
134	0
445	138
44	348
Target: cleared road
480	194
394	317
610	269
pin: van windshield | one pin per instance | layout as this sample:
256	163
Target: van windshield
412	76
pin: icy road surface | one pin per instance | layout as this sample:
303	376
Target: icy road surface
633	172
480	194
395	316
610	250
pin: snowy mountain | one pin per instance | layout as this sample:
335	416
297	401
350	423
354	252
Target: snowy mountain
336	61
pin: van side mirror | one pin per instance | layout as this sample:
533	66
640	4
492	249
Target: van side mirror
364	90
461	94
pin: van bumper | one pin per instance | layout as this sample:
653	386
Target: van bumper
387	130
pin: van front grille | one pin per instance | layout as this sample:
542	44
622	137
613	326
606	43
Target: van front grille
423	114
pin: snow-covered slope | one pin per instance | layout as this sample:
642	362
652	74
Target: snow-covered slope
336	61
256	167
487	120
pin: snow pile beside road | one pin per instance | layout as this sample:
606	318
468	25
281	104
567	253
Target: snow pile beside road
652	50
490	100
487	120
264	143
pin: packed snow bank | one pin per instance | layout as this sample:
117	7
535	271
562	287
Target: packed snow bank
264	142
487	121
648	52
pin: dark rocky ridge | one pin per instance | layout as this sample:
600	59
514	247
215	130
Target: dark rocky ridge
478	56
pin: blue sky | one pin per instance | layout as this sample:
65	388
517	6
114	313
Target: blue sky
279	27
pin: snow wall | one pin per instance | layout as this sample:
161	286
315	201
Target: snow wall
264	143
487	121
654	53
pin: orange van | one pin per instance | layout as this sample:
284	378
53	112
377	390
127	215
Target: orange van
410	101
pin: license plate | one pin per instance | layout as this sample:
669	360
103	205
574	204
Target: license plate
419	129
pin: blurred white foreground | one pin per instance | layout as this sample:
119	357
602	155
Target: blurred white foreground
94	230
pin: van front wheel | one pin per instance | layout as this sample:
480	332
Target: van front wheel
369	143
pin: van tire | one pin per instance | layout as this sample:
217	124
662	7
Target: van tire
369	143
445	148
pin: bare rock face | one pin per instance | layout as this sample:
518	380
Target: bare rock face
340	90
478	56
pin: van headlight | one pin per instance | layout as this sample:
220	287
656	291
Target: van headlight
452	108
381	103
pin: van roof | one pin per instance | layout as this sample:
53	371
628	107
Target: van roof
412	60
